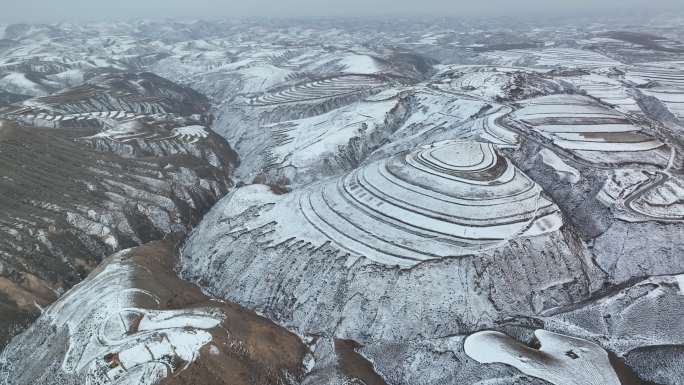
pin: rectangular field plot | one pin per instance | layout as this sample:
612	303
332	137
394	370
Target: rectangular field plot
590	130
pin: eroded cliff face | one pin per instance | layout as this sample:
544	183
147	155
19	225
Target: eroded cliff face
319	290
623	204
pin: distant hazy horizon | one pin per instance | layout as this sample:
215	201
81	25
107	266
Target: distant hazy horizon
14	11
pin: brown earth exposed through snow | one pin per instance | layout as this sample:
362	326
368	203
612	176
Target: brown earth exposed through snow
246	349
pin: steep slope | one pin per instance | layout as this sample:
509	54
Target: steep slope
512	215
443	229
626	183
296	112
276	130
88	186
134	322
647	313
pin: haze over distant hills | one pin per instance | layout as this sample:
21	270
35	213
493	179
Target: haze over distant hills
338	201
74	10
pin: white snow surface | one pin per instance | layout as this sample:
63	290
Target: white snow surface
17	83
100	315
561	360
360	64
552	57
450	198
563	169
579	124
312	139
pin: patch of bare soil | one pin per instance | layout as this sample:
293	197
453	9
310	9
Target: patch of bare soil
246	349
65	206
354	365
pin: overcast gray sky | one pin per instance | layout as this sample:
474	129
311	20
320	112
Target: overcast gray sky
77	10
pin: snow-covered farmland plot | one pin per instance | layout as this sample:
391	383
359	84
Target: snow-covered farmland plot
117	334
317	90
608	90
568	57
552	57
590	130
672	98
641	195
665	73
488	128
663	81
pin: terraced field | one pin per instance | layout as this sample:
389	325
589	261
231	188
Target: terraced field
553	57
591	131
608	91
667	74
673	98
449	199
326	88
127	133
115	96
663	82
664	201
78	186
490	129
569	57
28	116
653	196
35	66
421	201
